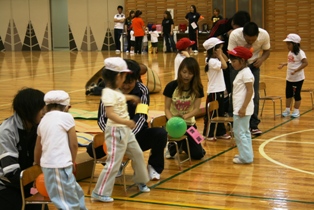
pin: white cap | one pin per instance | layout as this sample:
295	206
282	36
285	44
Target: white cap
211	42
57	97
116	64
293	38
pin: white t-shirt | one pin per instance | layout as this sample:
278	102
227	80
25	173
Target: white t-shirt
119	25
216	82
239	91
262	42
117	100
53	130
177	61
132	37
154	36
294	61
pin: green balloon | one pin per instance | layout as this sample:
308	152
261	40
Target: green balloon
176	127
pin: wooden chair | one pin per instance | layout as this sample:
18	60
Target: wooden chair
212	107
161	121
265	97
99	141
28	176
309	90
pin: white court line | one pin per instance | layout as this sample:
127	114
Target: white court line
262	152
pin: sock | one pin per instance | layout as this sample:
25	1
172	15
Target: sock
296	111
288	109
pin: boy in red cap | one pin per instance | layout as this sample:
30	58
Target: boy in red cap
154	39
183	47
243	106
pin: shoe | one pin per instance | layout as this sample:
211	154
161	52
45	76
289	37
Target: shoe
210	138
256	131
117	51
236	156
285	113
225	136
295	115
106	199
127	52
167	154
143	188
123	165
153	175
195	51
237	160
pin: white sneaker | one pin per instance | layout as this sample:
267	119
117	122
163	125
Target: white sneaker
195	51
295	114
117	51
285	113
153	175
167	154
127	52
143	187
123	165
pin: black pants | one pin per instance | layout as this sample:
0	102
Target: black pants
11	198
129	41
221	130
196	150
170	43
117	36
154	139
138	44
193	35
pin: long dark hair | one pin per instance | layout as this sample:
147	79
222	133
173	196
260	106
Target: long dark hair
130	14
193	67
295	48
194	7
210	54
27	103
138	13
110	77
169	17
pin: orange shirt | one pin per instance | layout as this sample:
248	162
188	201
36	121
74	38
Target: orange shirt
138	24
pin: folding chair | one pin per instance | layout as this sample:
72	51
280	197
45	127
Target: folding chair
161	121
99	141
212	107
28	176
265	97
309	90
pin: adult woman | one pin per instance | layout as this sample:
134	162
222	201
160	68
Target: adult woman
167	32
192	18
128	28
139	30
17	141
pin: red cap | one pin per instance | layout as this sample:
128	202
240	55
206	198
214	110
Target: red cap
241	52
184	43
154	26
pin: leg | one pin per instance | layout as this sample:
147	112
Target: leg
254	121
117	35
173	44
154	139
243	138
166	38
196	150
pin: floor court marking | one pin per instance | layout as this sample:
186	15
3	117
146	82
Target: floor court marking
262	152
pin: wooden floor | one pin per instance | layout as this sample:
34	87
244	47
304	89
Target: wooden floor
281	177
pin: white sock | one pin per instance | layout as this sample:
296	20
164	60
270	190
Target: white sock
288	109
296	111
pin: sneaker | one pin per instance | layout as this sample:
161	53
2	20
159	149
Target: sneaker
237	160
210	138
285	113
256	131
102	198
167	154
153	175
117	51
123	165
295	114
127	52
143	188
195	51
225	136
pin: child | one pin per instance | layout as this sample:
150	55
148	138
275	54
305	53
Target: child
145	42
154	39
183	98
183	47
132	40
55	151
216	16
215	62
243	106
295	74
118	134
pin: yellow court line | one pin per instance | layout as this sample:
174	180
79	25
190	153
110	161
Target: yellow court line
262	152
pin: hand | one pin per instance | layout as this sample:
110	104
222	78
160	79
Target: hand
130	124
281	65
135	99
241	112
258	62
292	73
218	52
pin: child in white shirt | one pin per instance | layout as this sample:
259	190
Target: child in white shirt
154	39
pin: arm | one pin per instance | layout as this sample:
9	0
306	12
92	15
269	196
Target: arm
248	98
133	98
73	143
171	29
168	102
221	58
302	66
116	118
197	104
37	151
259	61
281	65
